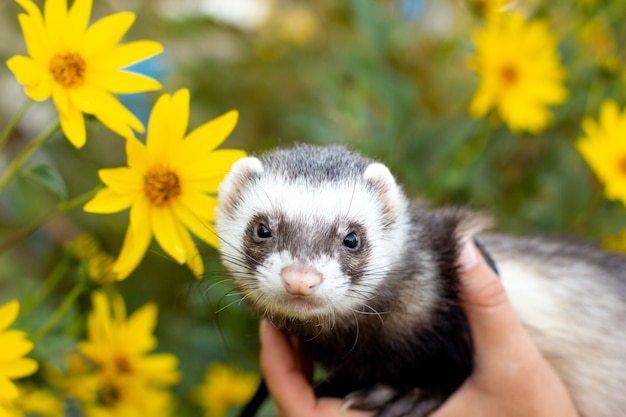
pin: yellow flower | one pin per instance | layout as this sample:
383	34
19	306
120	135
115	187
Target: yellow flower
519	71
119	347
224	388
295	24
122	397
85	246
100	269
600	43
166	184
13	347
488	7
80	66
34	401
615	243
604	149
114	374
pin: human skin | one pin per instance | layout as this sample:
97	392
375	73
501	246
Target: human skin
511	378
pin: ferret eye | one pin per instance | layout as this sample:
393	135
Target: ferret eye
263	232
351	241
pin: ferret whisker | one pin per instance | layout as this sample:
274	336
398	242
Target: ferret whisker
356	336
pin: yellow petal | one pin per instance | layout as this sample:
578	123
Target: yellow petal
26	70
118	308
199	224
211	134
55	16
78	17
107	109
122	180
137	239
193	258
107	202
137	155
206	173
122	82
105	33
61	98
73	126
8	313
8	391
168	124
179	114
200	204
35	36
32	10
161	367
40	91
163	224
125	54
18	368
140	326
609	114
14	345
99	320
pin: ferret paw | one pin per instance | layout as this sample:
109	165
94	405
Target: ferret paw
391	403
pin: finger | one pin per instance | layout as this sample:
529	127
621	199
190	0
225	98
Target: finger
286	383
494	325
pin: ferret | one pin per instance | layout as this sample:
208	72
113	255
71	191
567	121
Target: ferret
325	244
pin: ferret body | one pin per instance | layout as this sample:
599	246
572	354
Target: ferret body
324	244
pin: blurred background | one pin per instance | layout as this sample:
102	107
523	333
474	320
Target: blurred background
388	78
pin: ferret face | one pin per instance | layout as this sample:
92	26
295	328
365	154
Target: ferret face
305	245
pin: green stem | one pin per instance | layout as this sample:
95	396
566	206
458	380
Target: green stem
6	133
18	161
61	208
52	280
67	303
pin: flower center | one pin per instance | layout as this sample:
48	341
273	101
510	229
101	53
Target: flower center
161	185
122	365
68	69
109	395
509	74
621	164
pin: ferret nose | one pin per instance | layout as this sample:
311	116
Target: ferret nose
300	281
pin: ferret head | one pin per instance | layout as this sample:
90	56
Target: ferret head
310	232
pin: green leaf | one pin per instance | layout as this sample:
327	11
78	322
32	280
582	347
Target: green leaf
49	178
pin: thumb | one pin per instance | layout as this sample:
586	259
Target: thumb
494	325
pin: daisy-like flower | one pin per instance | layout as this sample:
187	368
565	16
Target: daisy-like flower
615	243
488	7
13	347
120	347
80	67
224	388
34	401
126	397
519	70
167	184
604	149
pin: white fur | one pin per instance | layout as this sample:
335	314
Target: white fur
572	325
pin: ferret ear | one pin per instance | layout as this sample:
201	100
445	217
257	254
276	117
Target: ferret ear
379	175
383	181
240	174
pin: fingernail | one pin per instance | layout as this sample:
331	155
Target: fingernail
468	258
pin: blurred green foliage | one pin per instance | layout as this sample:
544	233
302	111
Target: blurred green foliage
383	78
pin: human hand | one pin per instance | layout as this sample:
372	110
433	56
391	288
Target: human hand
288	380
511	377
